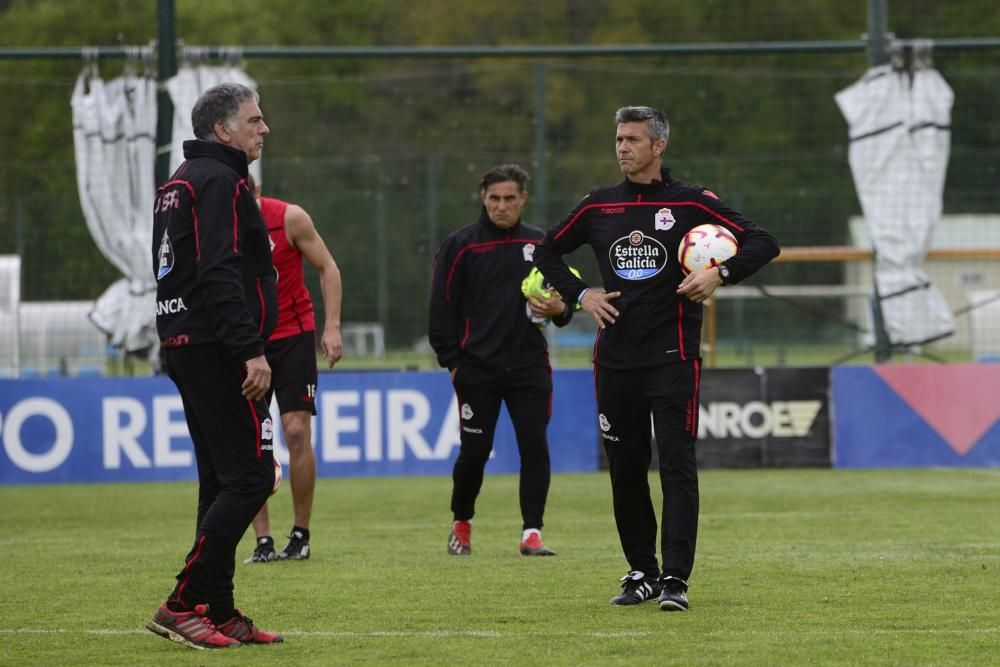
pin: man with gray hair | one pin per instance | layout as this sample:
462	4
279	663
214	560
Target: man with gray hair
216	304
647	358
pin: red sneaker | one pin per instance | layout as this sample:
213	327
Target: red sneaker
460	540
242	629
533	546
191	628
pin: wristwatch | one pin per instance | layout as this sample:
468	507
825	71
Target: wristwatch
724	274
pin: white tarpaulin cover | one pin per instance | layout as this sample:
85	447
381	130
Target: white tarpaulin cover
899	124
114	134
185	88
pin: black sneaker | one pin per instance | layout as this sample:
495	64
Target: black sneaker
636	588
297	549
264	551
674	596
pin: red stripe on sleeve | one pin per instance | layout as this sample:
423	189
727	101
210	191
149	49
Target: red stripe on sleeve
465	336
236	218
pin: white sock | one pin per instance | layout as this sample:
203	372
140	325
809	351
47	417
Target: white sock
526	534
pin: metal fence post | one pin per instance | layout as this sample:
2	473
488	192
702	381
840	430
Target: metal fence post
878	32
878	53
540	177
167	67
432	213
381	257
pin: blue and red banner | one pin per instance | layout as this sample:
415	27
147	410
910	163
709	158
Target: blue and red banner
912	416
391	423
369	424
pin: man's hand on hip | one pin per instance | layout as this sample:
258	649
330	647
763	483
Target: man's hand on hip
597	302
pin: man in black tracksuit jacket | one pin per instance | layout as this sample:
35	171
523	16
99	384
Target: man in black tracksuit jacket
482	329
216	305
647	357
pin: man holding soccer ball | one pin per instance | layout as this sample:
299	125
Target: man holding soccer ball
647	358
484	329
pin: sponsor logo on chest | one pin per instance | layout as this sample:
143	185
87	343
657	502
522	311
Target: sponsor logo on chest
637	256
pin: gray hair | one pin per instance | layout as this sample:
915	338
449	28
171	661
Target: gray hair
219	104
656	123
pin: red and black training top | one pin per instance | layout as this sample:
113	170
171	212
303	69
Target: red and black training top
477	312
212	255
634	230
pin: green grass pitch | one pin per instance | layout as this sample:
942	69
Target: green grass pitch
794	567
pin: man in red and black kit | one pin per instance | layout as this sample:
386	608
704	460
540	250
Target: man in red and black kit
646	356
216	305
486	333
291	351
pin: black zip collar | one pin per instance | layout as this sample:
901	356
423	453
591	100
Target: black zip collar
484	220
231	157
647	188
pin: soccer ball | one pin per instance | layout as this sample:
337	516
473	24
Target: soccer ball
705	246
278	475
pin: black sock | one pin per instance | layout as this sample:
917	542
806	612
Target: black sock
303	531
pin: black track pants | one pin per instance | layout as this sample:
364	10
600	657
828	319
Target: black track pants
233	446
625	401
527	393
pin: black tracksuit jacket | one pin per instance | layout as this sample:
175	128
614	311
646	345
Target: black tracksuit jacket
477	312
635	230
212	255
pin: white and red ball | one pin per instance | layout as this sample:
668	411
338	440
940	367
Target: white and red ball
705	246
278	475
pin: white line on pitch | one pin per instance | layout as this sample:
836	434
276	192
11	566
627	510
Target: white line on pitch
488	634
493	634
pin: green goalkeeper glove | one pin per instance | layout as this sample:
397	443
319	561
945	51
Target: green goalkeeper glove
534	284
